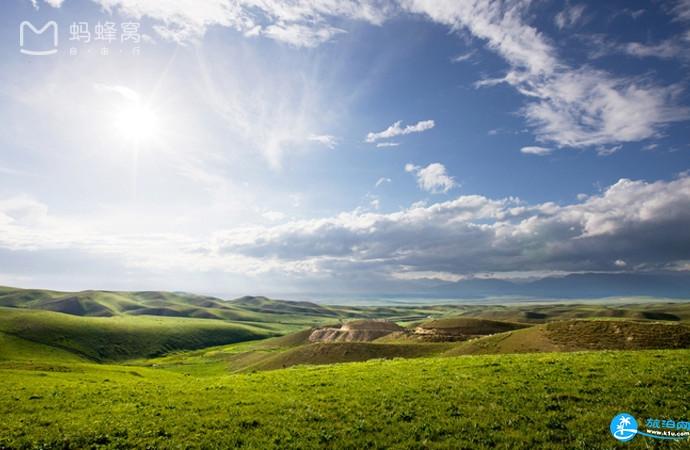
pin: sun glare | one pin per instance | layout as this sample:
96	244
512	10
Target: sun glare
137	122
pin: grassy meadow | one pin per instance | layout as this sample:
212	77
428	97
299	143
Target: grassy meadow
539	376
507	401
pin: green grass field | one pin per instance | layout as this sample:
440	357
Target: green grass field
82	379
126	337
507	401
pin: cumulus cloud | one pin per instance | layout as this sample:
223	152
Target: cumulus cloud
569	107
398	130
432	178
632	226
536	150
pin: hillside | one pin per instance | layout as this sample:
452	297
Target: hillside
179	304
261	309
143	381
650	309
266	305
578	335
15	349
462	328
333	353
124	337
354	331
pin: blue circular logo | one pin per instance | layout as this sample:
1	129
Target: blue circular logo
623	427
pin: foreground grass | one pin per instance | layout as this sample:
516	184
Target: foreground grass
504	401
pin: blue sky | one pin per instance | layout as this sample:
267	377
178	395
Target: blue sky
341	148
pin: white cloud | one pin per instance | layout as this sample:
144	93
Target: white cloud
301	35
302	23
324	139
397	130
569	107
645	225
570	16
667	49
607	151
273	216
536	150
381	181
271	108
463	57
432	178
680	9
387	144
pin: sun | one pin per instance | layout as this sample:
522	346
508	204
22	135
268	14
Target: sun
137	122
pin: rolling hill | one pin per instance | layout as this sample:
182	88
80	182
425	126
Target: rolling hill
98	369
125	337
580	335
564	336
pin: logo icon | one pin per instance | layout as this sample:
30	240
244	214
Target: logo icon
50	25
623	427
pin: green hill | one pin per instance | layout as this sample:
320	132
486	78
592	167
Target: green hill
462	328
604	308
109	375
14	349
266	305
577	335
125	337
179	304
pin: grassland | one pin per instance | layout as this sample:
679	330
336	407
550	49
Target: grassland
104	374
126	337
474	402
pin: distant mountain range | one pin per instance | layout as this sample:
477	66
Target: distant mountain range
588	285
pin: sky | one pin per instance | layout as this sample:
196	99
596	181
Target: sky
345	149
